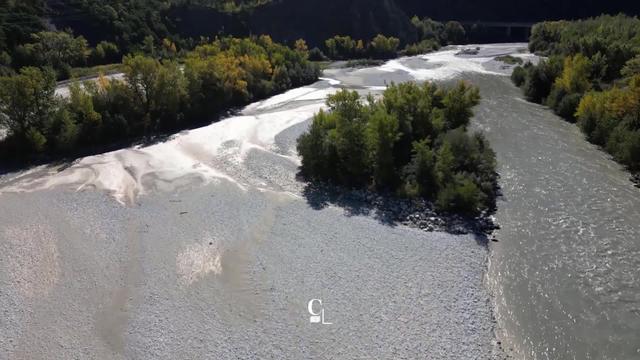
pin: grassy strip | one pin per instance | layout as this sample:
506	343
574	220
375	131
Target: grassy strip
511	60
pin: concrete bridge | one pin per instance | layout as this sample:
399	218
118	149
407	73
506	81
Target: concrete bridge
507	25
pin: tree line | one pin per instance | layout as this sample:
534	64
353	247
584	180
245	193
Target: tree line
591	76
156	96
117	28
97	32
431	35
413	141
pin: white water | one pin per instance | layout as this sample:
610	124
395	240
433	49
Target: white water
447	66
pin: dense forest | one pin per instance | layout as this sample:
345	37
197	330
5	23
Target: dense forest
413	142
592	77
130	25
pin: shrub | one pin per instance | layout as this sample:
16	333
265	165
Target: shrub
541	78
420	172
519	76
568	106
508	59
461	195
316	54
423	47
35	140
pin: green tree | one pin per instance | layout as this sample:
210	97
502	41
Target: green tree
149	46
631	68
421	171
382	134
429	29
64	131
445	164
454	32
414	105
105	53
28	102
58	49
458	103
82	113
460	195
340	47
383	47
205	87
540	79
317	148
350	135
545	35
159	88
316	54
422	47
575	77
519	76
301	46
35	140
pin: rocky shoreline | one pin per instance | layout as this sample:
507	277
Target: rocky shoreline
391	209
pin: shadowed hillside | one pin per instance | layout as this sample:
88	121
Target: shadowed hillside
129	23
509	10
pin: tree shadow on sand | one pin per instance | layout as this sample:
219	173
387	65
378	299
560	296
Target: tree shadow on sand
353	202
391	210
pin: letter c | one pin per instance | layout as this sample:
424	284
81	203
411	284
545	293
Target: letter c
310	306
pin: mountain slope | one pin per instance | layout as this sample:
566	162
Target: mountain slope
509	10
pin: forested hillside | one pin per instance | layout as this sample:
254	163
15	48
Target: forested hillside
313	20
128	23
509	10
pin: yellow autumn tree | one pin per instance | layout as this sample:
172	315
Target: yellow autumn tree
575	75
232	74
301	46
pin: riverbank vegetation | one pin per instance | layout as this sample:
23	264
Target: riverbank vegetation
592	77
345	48
154	97
431	35
413	142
